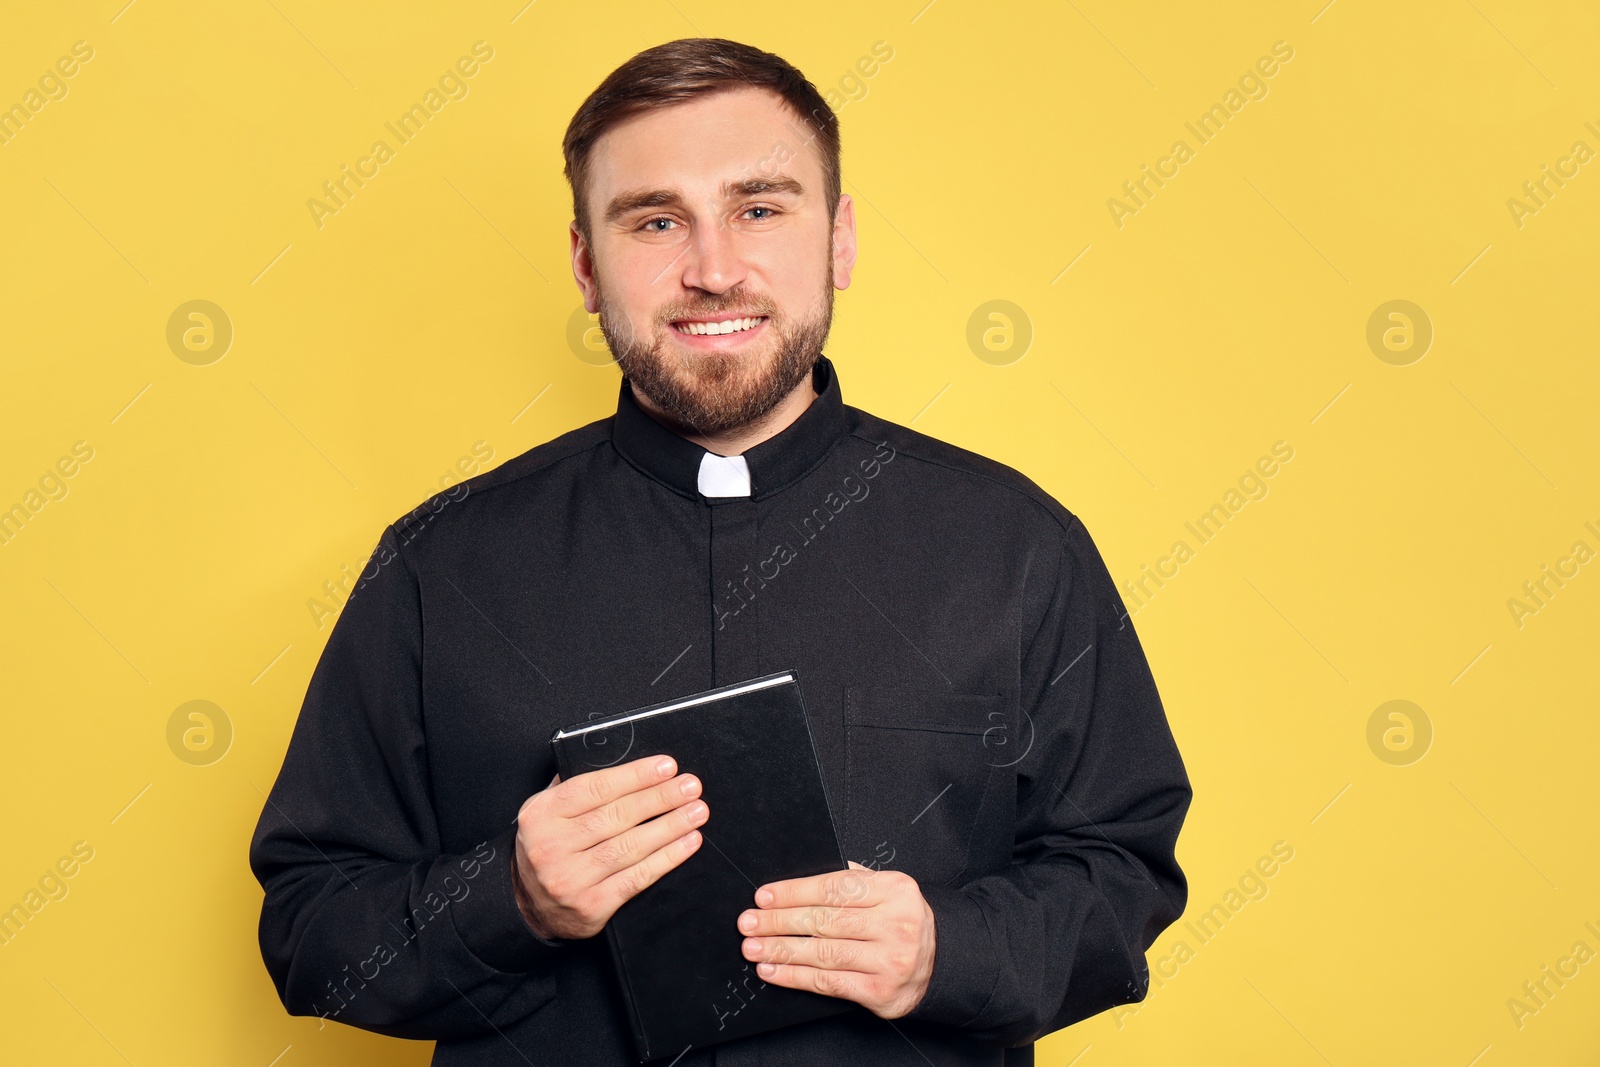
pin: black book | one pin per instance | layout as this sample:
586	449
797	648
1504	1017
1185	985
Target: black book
675	945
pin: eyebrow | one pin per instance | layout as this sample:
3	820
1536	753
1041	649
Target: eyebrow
624	204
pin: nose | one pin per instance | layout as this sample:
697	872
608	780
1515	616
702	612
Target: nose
713	261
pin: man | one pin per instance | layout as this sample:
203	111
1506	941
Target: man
997	758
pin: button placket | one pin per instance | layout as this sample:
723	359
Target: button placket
735	591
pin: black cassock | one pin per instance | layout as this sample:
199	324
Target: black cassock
985	717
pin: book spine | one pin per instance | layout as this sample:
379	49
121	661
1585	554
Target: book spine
641	1040
562	751
566	764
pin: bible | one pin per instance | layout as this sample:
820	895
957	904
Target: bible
675	946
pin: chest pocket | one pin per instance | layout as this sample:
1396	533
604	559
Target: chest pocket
917	765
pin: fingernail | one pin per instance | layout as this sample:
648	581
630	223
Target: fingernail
747	922
763	897
688	785
766	970
664	765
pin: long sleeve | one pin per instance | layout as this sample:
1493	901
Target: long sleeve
1061	933
366	920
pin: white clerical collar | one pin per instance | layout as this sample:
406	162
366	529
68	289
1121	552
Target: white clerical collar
724	475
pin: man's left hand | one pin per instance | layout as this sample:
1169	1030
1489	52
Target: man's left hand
862	934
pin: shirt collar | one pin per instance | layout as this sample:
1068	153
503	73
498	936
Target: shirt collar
724	475
775	463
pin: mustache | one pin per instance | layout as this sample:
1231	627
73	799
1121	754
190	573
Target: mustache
736	305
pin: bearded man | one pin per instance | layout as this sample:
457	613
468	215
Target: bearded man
998	761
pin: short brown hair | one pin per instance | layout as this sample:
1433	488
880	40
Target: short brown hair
681	70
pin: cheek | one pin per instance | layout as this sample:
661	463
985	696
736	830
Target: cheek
636	282
799	275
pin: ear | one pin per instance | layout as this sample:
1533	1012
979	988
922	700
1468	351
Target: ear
844	242
583	269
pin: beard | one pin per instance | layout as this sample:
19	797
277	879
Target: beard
714	392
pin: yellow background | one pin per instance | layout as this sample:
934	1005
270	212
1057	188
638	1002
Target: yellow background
1230	312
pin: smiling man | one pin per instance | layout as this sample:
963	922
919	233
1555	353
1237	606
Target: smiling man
1001	770
725	352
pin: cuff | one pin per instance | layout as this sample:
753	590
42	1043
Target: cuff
964	967
488	920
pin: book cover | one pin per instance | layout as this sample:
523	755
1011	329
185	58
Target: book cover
675	945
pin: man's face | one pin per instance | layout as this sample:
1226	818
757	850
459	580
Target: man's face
711	214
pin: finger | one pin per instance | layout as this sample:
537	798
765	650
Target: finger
847	985
831	953
852	888
815	920
629	847
630	810
590	789
621	887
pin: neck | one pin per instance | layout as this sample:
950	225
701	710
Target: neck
737	440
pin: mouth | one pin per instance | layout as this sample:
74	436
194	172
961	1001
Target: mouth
719	332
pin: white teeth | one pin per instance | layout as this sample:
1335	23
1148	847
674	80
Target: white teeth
726	326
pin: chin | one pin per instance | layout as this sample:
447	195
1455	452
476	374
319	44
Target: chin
719	366
714	383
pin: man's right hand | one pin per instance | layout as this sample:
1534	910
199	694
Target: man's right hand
587	845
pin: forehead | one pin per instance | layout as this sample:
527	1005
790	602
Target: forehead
731	134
